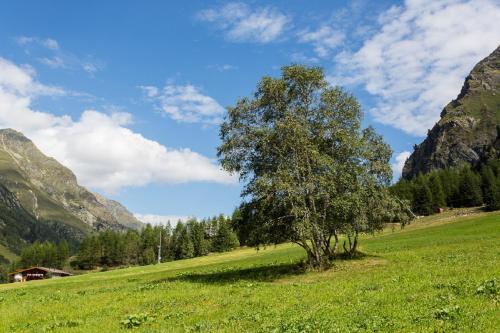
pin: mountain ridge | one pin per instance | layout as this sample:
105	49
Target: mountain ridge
469	128
49	193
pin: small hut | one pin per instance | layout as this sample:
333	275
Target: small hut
37	273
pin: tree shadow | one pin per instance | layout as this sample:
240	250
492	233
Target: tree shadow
268	273
262	273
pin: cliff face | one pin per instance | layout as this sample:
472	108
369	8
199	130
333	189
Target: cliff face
469	128
120	213
50	194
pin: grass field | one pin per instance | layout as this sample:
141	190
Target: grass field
429	277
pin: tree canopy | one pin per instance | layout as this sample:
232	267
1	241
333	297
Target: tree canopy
186	240
310	171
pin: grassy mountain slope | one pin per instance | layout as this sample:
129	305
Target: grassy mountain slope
35	201
469	128
6	255
19	228
52	206
424	278
48	177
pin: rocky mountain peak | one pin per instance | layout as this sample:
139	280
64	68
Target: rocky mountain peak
469	128
49	190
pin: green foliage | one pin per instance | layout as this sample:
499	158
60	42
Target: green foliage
135	320
225	239
3	273
197	234
183	244
422	196
437	191
469	191
187	240
456	187
306	162
491	188
489	288
46	254
447	313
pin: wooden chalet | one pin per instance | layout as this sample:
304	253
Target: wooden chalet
37	273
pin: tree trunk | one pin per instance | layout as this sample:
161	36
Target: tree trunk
353	245
335	244
315	258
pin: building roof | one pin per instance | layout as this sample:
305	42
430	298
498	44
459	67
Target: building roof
45	269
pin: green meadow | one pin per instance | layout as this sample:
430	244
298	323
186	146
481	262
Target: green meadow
439	274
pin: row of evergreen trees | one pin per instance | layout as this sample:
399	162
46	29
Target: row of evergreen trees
455	187
46	254
187	240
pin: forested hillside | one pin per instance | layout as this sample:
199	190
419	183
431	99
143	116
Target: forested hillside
463	186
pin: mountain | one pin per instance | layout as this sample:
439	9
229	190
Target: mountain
40	193
469	128
18	227
120	213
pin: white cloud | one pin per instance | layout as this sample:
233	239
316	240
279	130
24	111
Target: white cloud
324	39
18	80
419	57
399	163
222	68
59	58
185	103
161	219
90	67
98	147
53	62
240	22
302	58
48	43
150	91
24	40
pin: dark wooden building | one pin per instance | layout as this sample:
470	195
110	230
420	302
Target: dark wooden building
37	273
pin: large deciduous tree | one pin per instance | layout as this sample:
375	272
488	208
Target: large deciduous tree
310	171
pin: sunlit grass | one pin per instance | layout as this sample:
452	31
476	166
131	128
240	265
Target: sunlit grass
423	278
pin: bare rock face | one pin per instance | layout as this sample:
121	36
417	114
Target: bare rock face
120	213
50	191
469	128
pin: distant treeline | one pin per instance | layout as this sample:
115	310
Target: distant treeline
187	240
46	254
112	248
455	187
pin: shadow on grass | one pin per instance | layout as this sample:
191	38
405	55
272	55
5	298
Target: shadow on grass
265	273
233	274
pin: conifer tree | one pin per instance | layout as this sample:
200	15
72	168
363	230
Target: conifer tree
437	192
62	254
469	191
225	239
183	245
131	246
491	189
197	234
422	202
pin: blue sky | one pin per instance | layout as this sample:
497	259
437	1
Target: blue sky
128	94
